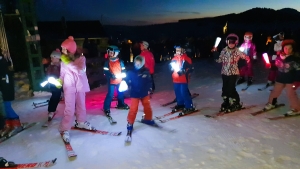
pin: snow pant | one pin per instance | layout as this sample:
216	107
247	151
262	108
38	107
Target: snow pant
74	103
134	109
10	113
110	94
54	100
291	93
247	70
182	95
228	88
153	84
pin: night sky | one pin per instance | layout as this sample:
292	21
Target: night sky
143	12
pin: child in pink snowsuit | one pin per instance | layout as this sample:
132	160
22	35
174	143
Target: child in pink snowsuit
75	85
246	69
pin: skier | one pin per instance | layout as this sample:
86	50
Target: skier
249	48
114	71
188	77
141	85
75	85
149	61
54	71
181	65
7	87
277	48
288	64
229	57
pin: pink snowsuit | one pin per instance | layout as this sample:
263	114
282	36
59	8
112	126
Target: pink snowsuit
249	50
75	85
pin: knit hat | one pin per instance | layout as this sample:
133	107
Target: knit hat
288	42
70	44
146	44
56	54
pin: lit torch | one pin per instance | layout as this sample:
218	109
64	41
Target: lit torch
266	58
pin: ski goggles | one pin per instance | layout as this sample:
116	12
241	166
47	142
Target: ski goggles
231	41
248	37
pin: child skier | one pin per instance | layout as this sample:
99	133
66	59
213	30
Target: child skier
114	71
182	52
7	87
229	57
249	48
75	85
54	71
288	64
277	48
181	65
149	61
141	85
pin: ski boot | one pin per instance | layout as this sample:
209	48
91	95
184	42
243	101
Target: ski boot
240	80
6	164
107	113
84	125
225	104
272	105
123	107
66	136
250	81
293	112
178	108
129	132
148	122
16	127
234	106
187	111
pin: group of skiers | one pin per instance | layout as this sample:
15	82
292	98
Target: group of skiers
68	67
284	72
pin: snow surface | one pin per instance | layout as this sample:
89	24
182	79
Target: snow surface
234	141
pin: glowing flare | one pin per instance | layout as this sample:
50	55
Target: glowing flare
218	40
266	58
175	66
122	75
44	83
123	86
242	49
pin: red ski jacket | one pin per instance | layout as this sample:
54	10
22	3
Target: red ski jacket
149	60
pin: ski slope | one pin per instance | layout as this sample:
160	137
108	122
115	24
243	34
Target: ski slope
233	141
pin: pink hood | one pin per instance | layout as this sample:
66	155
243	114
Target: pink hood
74	76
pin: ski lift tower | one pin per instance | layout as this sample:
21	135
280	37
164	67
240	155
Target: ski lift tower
26	13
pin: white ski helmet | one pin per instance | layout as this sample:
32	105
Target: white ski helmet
114	49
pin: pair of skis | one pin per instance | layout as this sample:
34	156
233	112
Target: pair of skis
276	117
180	115
128	138
214	115
40	104
32	165
194	95
71	153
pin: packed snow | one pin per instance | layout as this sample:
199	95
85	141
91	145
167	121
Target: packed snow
233	141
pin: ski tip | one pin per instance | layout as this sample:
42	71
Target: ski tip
119	133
